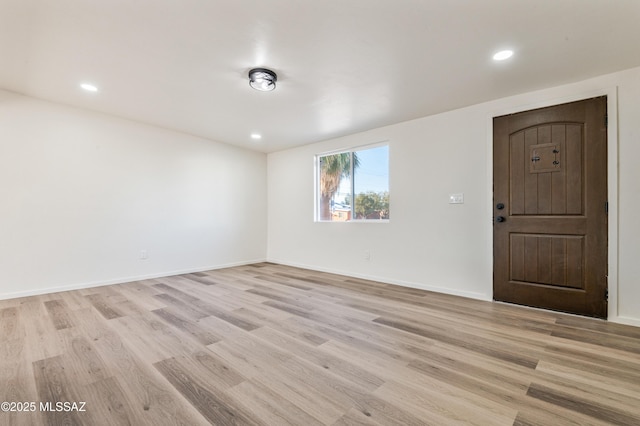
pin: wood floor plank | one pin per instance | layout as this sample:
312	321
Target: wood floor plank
433	408
308	388
109	404
200	278
144	387
58	313
514	400
217	410
250	354
270	407
288	281
501	378
186	308
583	406
215	368
258	314
141	293
361	346
202	335
290	325
355	417
41	340
54	387
15	376
346	394
470	342
235	320
588	379
83	364
623	343
152	339
172	290
8	324
339	366
298	393
271	344
600	325
107	310
282	297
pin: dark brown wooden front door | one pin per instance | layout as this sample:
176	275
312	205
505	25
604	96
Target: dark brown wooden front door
550	208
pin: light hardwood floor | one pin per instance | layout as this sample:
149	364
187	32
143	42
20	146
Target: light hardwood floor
273	345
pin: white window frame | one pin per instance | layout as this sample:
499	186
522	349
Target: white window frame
316	182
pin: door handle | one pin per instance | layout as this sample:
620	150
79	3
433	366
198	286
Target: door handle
500	206
500	219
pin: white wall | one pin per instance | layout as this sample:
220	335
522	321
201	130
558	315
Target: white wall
434	245
81	194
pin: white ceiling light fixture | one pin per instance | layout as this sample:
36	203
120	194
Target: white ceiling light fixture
256	136
89	87
502	55
262	79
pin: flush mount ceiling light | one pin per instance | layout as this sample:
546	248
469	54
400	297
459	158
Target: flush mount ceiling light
502	55
262	79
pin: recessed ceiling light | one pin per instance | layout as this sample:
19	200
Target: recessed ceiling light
89	87
256	136
502	55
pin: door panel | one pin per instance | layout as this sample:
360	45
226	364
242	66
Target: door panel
550	191
538	188
547	259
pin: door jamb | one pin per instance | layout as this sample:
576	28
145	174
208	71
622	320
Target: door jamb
612	178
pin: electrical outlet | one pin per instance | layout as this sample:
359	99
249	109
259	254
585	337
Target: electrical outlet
367	255
144	255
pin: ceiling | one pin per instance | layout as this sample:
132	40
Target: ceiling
343	66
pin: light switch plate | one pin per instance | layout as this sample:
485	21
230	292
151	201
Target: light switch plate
456	198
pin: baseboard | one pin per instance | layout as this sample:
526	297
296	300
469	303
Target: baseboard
386	280
625	320
122	280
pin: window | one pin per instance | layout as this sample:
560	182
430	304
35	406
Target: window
353	185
